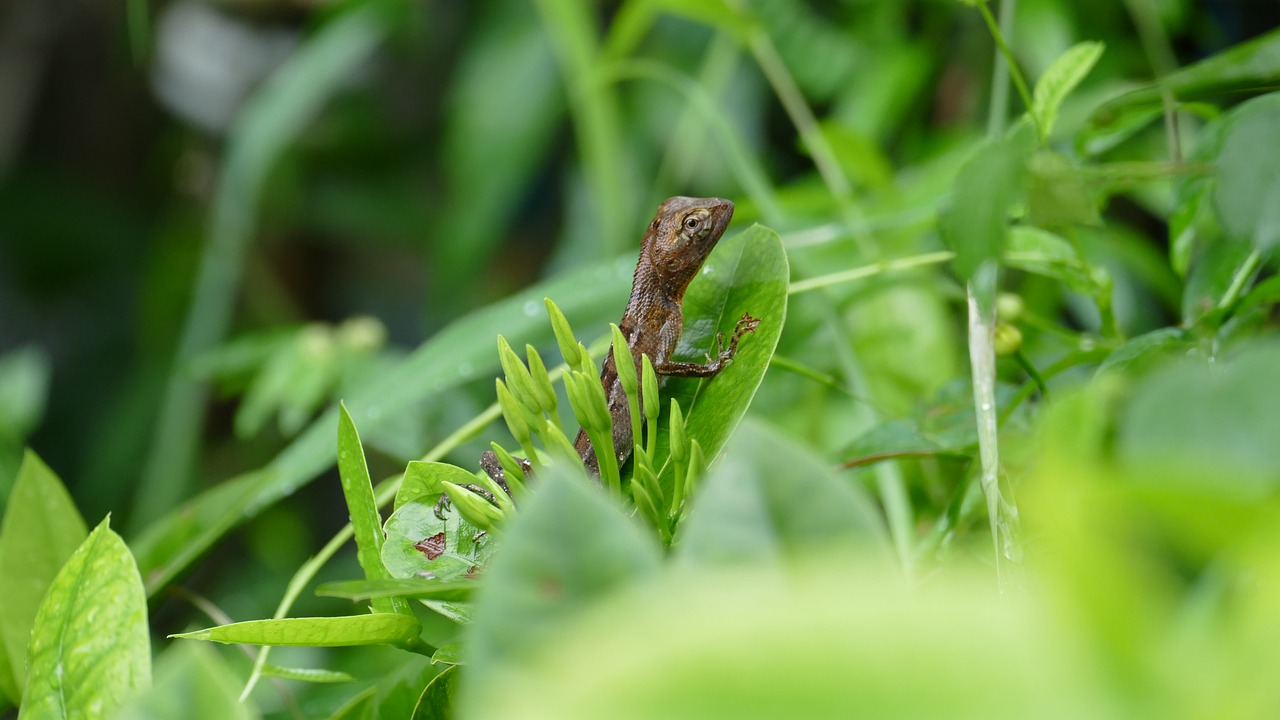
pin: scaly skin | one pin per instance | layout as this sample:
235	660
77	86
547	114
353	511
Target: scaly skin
677	242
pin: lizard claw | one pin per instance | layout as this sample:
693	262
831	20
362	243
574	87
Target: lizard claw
745	325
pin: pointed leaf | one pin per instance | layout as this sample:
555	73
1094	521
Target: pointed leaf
747	273
1059	79
90	647
42	528
415	587
357	488
344	631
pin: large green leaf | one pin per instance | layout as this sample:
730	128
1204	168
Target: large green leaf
41	529
568	547
771	499
828	640
436	701
1247	66
90	647
1217	418
357	488
373	629
990	182
748	273
1249	173
591	296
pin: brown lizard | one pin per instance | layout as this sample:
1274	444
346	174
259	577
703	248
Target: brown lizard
677	242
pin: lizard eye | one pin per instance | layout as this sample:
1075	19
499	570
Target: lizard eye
692	222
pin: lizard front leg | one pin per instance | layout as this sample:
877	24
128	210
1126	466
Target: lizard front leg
724	355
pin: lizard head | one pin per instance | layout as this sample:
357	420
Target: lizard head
682	235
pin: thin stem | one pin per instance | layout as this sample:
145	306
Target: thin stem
982	357
1155	44
1025	362
1240	279
999	89
866	271
982	317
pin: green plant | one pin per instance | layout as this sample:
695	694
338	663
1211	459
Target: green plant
1012	454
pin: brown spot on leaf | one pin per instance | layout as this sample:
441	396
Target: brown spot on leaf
432	547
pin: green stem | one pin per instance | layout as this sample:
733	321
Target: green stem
866	271
1025	362
999	91
982	317
1241	279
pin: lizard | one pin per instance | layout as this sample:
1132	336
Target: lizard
676	244
682	234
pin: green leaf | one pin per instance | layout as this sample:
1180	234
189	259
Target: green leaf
193	682
1044	253
747	273
1057	195
1145	351
415	544
1250	65
829	639
893	439
1214	269
437	699
344	631
90	647
568	547
769	499
1215	418
461	352
1249	173
357	488
410	587
1058	80
42	528
453	653
984	192
422	482
310	675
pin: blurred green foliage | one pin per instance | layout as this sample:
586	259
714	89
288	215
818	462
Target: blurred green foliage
185	299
